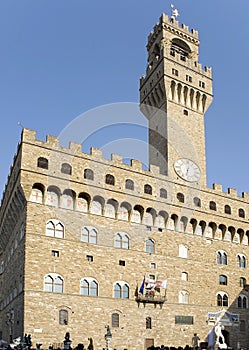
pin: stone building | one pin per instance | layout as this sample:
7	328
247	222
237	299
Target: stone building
155	254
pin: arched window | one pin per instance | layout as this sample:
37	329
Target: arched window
67	199
223	280
121	290
241	261
88	174
242	282
212	205
48	284
150	246
242	301
121	241
221	257
180	197
66	169
115	320
37	193
53	283
222	299
147	189
54	228
163	193
129	184
109	179
63	317
111	208
97	205
183	297
89	286
227	209
183	251
241	213
197	202
181	48
42	163
89	235
53	196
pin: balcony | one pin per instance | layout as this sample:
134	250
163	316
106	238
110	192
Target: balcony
151	299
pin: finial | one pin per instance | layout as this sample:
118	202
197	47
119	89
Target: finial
174	12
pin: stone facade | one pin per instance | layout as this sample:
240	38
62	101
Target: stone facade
77	238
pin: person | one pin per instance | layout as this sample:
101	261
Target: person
195	341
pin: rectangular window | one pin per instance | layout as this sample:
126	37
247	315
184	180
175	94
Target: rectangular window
152	265
148	228
89	258
121	262
202	84
55	253
148	323
189	78
175	72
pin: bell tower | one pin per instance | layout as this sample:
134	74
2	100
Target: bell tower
175	93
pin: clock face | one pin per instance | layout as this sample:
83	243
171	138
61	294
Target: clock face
187	170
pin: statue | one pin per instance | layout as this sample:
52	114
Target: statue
220	340
90	346
67	342
108	332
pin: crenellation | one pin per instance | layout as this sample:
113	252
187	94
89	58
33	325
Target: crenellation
245	195
217	187
96	153
52	140
136	164
76	148
232	192
117	158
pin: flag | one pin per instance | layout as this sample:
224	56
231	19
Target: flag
141	290
161	283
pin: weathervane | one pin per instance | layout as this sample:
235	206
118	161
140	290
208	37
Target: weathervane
174	12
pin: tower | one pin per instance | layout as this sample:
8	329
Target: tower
175	93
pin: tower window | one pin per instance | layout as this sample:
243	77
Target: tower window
227	209
212	205
180	197
88	174
202	84
121	262
42	163
189	78
129	184
197	202
66	169
163	193
175	72
147	189
241	213
109	179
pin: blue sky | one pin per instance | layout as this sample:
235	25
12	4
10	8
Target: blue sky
61	58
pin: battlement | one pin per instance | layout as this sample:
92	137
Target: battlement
173	26
75	149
